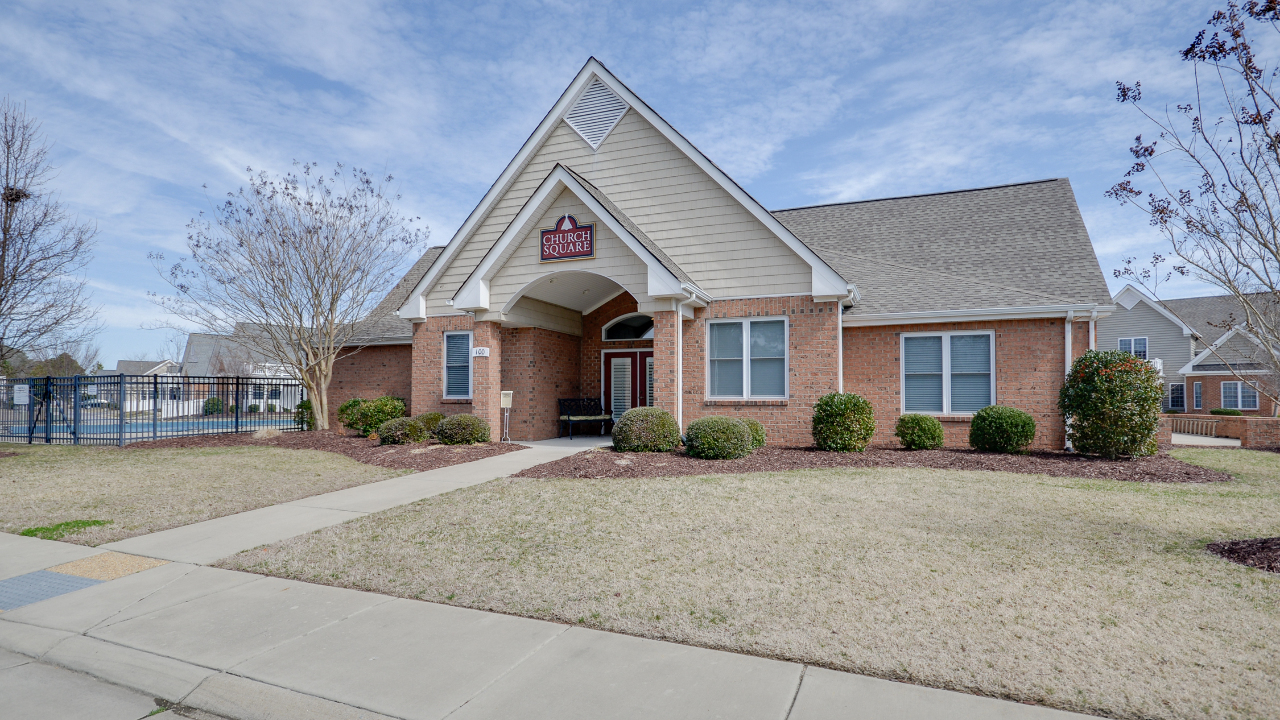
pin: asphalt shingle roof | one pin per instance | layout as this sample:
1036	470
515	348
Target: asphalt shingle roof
384	323
1019	245
1211	317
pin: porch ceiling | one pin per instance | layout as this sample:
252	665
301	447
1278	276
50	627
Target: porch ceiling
579	291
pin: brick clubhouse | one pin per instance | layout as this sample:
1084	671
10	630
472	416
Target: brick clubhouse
613	260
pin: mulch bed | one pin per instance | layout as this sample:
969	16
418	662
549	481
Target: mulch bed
1261	553
419	456
609	464
8	454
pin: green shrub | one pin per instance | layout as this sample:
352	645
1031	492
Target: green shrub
462	429
645	429
429	421
843	422
718	438
303	417
369	416
758	436
213	406
919	432
401	430
347	412
1225	411
231	409
271	407
997	428
255	408
1111	402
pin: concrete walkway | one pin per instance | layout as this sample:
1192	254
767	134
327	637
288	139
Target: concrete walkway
205	542
249	647
1204	441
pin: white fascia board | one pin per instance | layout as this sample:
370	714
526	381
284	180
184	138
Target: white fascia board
417	310
473	296
1009	313
1130	291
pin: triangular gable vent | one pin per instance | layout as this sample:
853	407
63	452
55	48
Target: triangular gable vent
596	113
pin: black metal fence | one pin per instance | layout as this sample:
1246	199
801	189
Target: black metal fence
120	409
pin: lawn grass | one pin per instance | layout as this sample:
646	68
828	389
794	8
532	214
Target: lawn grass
1090	595
60	491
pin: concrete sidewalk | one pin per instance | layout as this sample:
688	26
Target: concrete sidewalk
211	540
251	647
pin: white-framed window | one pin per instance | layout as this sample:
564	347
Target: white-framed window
948	373
457	365
1177	396
747	358
1239	396
1197	396
1136	347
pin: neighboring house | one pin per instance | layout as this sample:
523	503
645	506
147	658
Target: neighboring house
143	367
611	259
1200	351
211	355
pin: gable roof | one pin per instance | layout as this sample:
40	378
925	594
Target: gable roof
1021	247
384	324
1210	317
1131	295
826	280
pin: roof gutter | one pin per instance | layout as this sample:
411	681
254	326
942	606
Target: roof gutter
975	315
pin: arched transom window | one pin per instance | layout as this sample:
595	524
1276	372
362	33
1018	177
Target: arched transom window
636	326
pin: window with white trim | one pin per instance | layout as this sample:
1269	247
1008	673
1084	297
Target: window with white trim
1177	396
1237	395
946	373
1197	396
457	365
747	358
1136	347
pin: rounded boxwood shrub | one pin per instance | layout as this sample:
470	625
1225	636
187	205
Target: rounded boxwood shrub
718	438
1225	411
401	430
303	417
1111	402
996	428
254	408
462	429
645	429
756	429
213	406
429	421
369	416
919	432
843	422
347	412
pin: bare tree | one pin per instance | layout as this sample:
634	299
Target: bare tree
1213	192
288	267
44	301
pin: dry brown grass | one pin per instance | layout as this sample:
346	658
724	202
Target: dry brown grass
1091	595
142	491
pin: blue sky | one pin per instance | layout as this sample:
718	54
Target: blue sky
802	103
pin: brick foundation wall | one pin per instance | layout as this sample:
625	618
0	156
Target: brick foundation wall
428	365
370	373
540	367
1030	367
812	368
593	342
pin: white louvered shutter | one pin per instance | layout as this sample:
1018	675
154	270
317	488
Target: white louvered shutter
596	113
620	385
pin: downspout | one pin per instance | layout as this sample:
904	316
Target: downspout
690	297
851	299
1071	318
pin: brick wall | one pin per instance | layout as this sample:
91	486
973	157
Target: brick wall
370	373
540	367
1211	395
428	365
486	376
1030	367
812	367
593	343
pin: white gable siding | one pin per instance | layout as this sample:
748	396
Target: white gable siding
613	259
700	226
535	313
1164	339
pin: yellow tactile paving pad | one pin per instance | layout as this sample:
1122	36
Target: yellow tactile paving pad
107	566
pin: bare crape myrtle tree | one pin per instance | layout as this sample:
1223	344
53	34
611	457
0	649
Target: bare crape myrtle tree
1213	184
289	266
44	300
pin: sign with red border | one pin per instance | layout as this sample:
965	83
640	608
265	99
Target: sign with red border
568	241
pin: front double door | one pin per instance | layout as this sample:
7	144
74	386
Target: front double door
626	380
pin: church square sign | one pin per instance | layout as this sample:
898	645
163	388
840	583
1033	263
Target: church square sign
568	241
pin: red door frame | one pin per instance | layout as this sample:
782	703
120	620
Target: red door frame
639	384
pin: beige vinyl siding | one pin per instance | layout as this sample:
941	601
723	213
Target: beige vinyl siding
1237	349
1164	338
613	259
695	221
528	312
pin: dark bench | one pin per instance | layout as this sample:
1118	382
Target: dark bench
581	410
